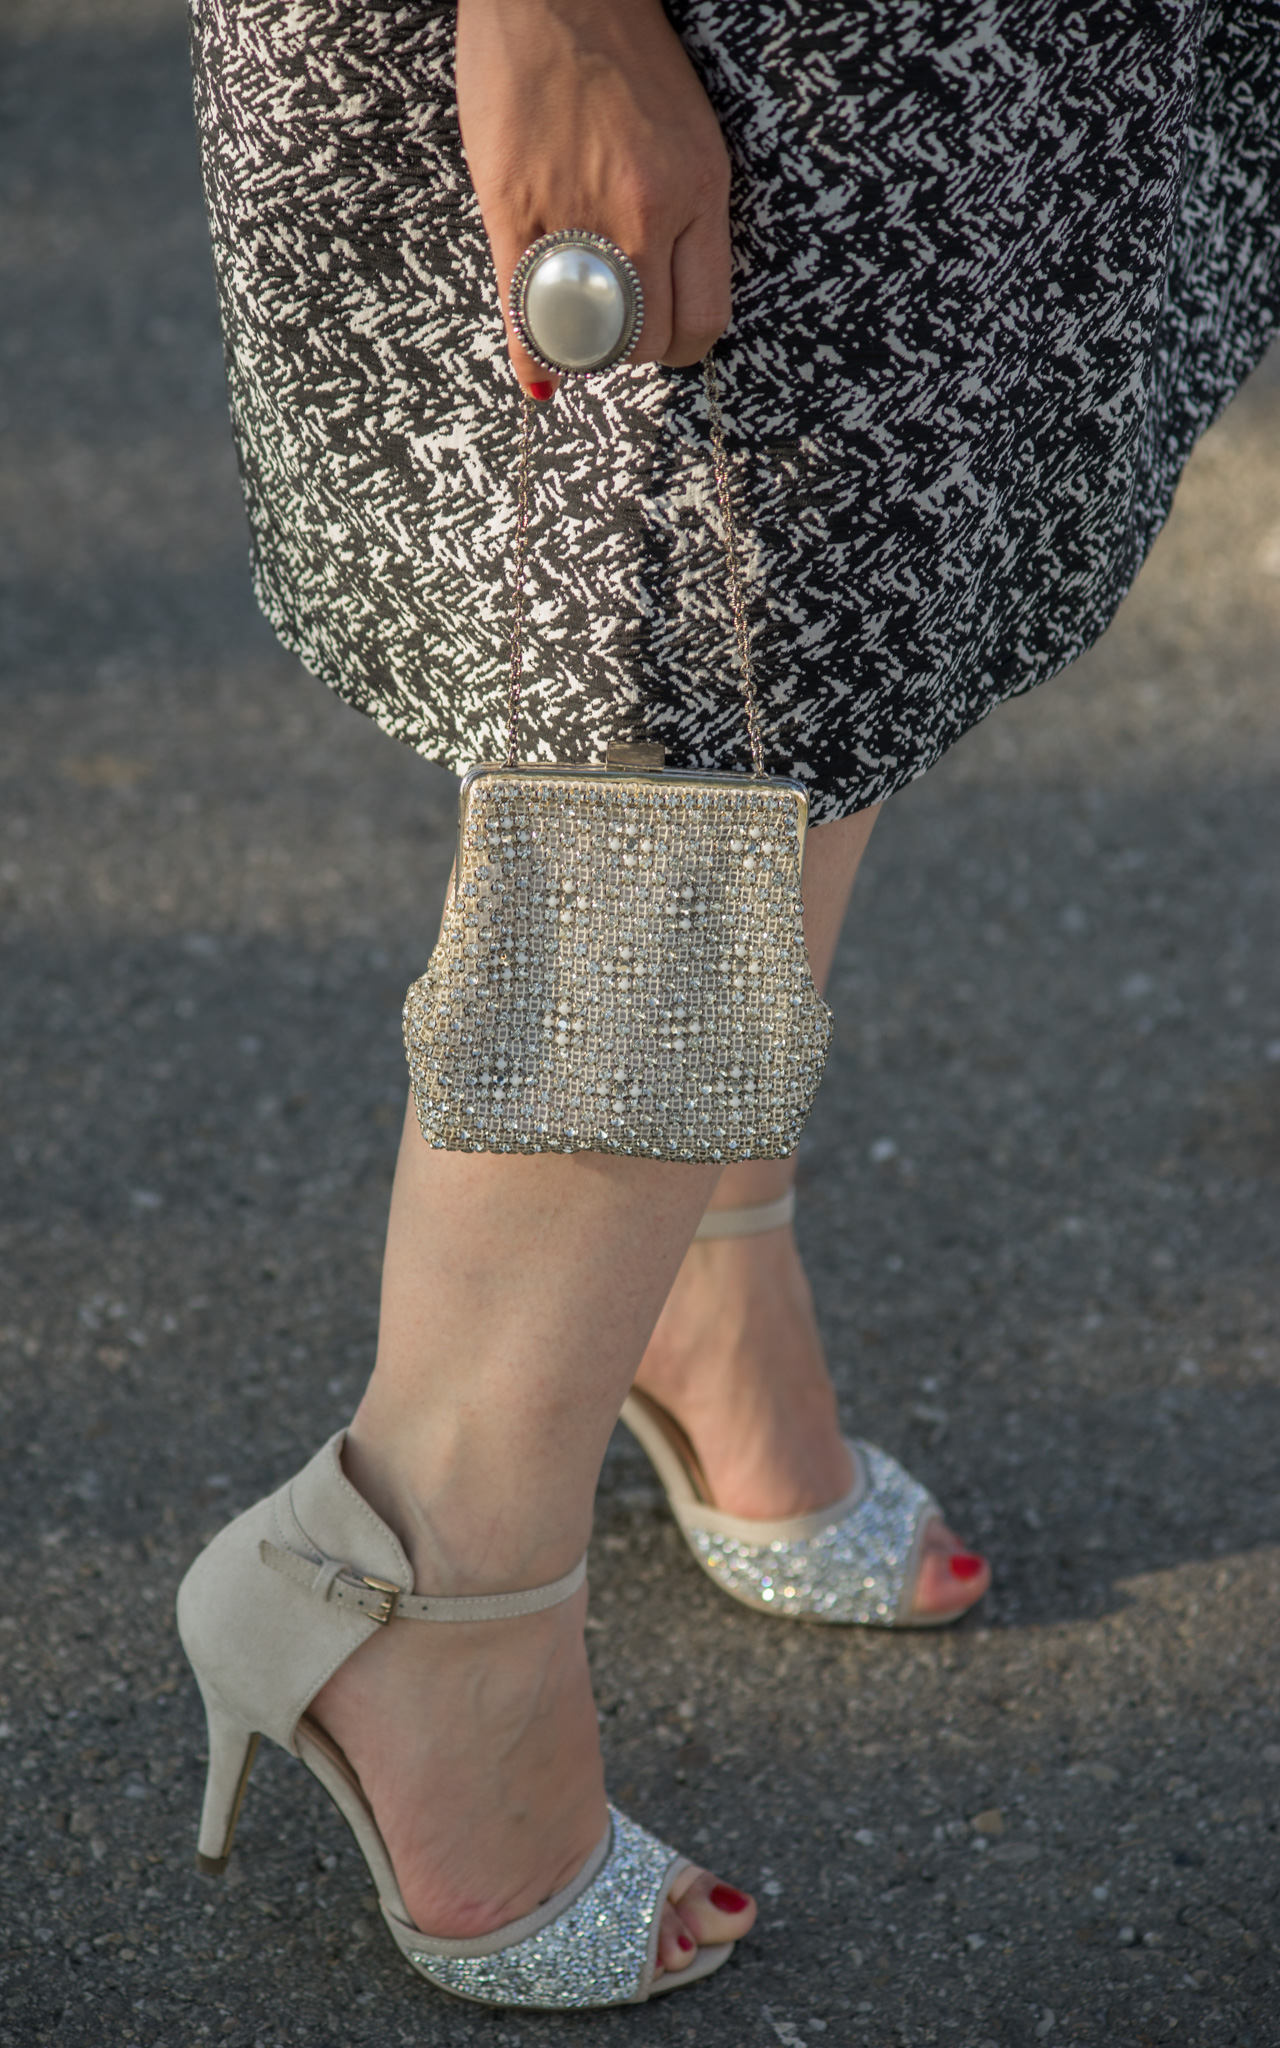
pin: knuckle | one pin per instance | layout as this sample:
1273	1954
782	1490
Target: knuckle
643	195
712	184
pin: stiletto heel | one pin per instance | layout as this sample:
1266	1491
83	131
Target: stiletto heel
268	1612
232	1749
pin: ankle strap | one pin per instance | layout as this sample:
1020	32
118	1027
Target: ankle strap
748	1222
378	1600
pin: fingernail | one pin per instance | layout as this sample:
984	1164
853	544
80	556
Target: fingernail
542	391
964	1565
684	1942
726	1900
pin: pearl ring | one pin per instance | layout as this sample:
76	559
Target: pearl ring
576	302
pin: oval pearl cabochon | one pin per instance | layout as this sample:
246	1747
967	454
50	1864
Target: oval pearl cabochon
574	308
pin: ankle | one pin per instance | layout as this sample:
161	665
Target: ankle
734	1299
737	1360
470	1515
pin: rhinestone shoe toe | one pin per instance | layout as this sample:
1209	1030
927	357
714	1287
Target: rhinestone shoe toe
854	1562
593	1944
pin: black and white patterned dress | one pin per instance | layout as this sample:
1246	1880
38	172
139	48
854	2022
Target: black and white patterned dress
997	266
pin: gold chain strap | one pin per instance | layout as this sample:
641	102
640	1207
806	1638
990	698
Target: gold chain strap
737	603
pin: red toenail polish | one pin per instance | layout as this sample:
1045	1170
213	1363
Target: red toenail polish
726	1900
542	391
685	1941
965	1566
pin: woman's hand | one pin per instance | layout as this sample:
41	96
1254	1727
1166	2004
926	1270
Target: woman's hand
588	114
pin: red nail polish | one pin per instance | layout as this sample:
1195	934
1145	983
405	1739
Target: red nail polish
726	1900
684	1942
542	391
965	1566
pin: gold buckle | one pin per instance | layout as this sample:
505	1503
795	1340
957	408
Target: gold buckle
390	1595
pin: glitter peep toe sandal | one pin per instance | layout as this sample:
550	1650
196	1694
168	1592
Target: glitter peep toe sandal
268	1612
855	1562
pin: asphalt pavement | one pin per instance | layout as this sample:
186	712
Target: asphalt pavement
1040	1199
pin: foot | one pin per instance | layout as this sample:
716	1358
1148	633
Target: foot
477	1746
737	1359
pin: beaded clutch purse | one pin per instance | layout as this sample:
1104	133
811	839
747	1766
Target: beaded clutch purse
622	966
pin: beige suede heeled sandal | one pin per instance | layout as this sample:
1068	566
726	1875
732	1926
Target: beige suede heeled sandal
855	1562
268	1612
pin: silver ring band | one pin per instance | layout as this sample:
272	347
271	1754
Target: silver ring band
576	302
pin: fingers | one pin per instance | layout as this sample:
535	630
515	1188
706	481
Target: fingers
686	277
592	116
700	289
530	375
686	304
687	300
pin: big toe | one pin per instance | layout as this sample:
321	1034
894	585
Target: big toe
951	1578
702	1910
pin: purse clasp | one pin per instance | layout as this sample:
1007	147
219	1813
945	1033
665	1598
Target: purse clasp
641	756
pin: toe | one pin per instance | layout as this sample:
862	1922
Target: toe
709	1909
676	1945
951	1577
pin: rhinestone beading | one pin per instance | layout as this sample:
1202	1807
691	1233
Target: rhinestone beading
595	1953
853	1572
622	969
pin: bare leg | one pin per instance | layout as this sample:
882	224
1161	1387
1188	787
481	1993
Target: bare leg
518	1294
736	1355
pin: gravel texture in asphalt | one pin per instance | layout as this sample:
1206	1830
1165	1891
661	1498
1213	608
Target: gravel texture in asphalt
1039	1201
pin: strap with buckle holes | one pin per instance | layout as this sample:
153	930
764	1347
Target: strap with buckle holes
378	1600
